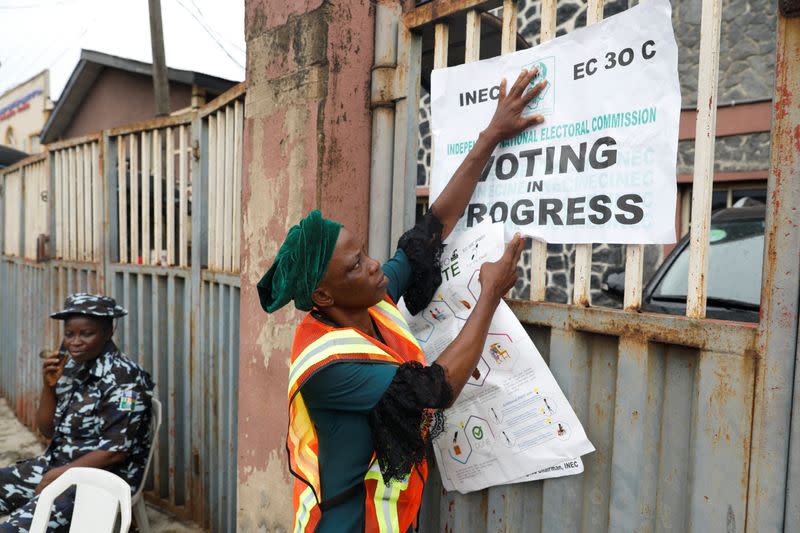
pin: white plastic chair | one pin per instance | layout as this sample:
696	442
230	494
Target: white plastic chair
139	507
98	497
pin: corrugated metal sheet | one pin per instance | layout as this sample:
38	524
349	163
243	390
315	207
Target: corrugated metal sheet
23	330
156	335
219	374
671	424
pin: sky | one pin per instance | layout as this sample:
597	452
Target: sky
201	35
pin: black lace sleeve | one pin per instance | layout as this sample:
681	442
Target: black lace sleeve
401	421
422	245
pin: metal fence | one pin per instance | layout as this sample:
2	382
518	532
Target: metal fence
135	214
77	195
689	416
148	268
221	131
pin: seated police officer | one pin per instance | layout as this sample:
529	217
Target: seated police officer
95	408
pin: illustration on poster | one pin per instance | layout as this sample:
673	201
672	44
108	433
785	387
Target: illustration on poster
511	398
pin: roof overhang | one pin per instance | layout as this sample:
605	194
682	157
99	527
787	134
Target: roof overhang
89	67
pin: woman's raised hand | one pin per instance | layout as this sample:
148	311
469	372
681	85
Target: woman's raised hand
508	120
499	277
52	368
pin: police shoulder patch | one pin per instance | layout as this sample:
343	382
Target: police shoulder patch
127	400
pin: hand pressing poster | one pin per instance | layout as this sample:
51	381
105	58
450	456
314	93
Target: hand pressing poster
511	422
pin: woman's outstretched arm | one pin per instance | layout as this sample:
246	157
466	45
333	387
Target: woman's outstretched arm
461	356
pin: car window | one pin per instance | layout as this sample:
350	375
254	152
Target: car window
735	252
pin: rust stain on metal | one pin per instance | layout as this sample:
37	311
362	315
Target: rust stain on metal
783	95
718	335
599	412
153	123
437	10
796	136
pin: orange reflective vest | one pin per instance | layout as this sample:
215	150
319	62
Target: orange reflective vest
389	508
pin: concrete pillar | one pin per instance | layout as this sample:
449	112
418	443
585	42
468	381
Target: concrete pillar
306	145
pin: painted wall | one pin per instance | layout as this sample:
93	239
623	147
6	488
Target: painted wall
307	145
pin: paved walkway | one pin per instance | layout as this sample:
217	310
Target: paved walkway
17	442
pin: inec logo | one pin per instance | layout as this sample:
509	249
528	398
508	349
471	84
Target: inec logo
544	103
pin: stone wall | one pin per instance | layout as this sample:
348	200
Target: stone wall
736	153
747	64
747	49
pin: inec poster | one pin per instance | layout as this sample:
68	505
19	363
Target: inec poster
511	422
601	168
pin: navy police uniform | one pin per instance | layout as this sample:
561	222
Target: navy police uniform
104	404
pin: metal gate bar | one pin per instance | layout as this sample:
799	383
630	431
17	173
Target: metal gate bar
773	503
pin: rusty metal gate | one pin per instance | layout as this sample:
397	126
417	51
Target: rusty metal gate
690	417
148	213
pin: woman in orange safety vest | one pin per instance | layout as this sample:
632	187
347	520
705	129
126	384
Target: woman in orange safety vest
362	402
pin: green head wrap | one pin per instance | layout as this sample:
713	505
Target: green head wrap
300	265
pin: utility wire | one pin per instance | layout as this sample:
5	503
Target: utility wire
221	36
209	28
194	16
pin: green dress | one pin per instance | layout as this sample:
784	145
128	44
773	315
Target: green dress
339	399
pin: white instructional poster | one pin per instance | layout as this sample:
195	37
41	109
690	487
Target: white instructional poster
601	168
511	422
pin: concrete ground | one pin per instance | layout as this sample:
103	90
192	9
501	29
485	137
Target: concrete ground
17	442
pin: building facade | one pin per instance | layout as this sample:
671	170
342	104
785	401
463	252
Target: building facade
24	110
